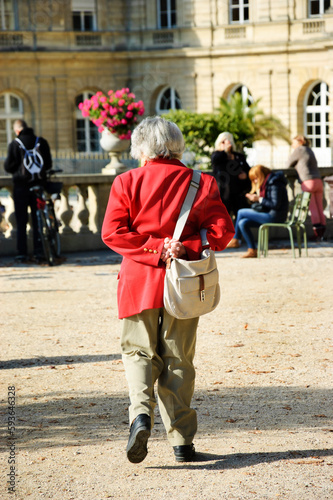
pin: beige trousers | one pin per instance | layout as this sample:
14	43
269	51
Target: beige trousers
158	347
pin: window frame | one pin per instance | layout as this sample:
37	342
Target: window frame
88	127
323	110
242	5
10	13
244	91
174	98
83	14
10	116
322	8
170	11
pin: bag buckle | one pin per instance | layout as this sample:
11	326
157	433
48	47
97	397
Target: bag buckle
202	288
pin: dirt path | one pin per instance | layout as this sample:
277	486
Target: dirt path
263	388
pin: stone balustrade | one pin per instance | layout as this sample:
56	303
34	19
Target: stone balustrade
82	206
80	211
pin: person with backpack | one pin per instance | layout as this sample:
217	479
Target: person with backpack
28	160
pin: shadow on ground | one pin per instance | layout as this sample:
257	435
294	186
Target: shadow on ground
55	361
242	460
65	418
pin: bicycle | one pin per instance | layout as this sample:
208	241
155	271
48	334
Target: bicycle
47	223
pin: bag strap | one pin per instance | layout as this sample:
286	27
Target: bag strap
20	143
187	205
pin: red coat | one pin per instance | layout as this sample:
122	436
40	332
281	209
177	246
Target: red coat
143	208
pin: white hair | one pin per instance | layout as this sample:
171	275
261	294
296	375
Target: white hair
222	137
156	137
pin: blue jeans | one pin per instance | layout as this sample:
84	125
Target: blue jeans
247	218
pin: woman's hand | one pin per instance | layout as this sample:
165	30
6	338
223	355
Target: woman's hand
172	248
252	197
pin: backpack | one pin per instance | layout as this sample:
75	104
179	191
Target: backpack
32	161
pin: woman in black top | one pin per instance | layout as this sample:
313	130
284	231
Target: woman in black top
230	170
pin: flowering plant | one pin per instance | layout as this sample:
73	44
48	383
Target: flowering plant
118	112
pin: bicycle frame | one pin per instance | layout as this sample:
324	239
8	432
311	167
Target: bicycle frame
48	226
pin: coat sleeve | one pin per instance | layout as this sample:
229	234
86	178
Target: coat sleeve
14	158
120	237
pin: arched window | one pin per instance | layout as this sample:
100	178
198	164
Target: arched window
87	135
11	109
317	116
168	99
244	92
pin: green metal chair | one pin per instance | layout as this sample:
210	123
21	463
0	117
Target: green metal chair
297	219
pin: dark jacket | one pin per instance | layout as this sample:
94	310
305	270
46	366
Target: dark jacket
226	172
275	201
13	162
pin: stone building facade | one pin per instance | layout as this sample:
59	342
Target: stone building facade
172	54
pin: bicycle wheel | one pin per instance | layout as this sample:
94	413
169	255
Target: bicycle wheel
44	233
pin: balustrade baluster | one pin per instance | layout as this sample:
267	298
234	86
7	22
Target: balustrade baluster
82	210
93	208
66	212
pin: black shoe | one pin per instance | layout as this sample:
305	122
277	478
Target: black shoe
184	453
137	442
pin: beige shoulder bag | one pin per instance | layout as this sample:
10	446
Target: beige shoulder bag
191	288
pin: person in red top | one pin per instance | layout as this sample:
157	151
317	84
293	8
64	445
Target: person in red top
139	222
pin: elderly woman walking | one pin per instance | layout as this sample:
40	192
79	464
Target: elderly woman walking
139	222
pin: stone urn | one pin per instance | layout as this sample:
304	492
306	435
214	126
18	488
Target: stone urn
114	146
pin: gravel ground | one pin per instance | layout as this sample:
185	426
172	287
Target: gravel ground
263	387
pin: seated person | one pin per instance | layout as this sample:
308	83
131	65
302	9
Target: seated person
270	204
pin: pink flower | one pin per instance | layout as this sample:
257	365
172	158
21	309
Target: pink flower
116	111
